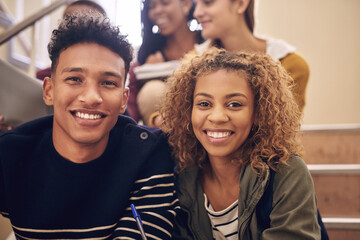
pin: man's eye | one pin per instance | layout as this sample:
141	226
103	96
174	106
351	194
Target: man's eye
73	79
110	83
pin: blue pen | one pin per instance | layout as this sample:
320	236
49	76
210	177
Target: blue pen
138	221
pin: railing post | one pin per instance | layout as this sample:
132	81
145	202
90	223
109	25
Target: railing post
31	69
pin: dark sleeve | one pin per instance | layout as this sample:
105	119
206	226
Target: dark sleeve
154	198
134	89
3	208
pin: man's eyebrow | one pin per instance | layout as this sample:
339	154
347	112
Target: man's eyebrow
72	69
111	74
78	69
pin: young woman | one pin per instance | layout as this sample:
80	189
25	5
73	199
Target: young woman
171	42
230	118
230	24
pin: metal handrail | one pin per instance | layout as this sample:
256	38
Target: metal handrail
15	29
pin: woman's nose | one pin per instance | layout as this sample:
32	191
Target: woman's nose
218	114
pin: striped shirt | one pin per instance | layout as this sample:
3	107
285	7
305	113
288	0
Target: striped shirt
225	222
48	197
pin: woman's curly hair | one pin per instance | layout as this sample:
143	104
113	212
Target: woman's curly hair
83	27
274	136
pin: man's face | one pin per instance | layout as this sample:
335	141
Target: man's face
87	92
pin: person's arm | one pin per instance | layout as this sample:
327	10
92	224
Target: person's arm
294	214
298	69
154	198
4	126
134	89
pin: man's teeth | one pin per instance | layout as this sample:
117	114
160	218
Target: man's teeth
217	134
88	116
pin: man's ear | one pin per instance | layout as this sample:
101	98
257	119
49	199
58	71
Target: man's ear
125	98
243	5
48	91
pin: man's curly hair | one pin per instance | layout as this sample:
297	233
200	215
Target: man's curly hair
274	136
92	27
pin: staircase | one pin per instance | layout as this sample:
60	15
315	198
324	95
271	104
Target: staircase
333	156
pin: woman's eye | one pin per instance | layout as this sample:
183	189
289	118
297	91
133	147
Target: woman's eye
203	104
235	105
208	2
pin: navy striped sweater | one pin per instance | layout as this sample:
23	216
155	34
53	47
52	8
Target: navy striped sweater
48	197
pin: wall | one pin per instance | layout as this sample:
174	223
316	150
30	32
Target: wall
327	34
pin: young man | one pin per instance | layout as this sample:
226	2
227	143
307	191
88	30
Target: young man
73	175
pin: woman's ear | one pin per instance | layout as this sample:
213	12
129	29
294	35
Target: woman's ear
186	5
243	5
48	91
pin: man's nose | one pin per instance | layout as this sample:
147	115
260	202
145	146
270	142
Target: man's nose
91	94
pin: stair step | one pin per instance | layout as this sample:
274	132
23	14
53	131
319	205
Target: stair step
337	188
342	228
331	144
342	223
326	169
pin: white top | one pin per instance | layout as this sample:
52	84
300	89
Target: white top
276	48
225	222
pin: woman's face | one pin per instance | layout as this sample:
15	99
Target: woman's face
168	15
218	18
222	113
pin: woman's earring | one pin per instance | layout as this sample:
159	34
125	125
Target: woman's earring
188	127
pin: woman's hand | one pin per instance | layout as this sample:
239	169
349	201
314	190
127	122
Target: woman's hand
4	126
157	57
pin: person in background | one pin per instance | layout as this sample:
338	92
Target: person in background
230	24
231	120
77	6
172	41
75	174
3	125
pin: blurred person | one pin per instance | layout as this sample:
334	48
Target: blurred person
230	24
87	6
172	41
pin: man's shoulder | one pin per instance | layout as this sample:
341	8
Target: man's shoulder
135	133
29	129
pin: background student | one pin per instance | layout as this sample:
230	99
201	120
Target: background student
77	6
73	175
230	24
232	120
171	42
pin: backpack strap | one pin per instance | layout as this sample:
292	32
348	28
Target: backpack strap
264	207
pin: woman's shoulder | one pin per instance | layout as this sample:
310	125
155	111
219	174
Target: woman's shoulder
295	167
